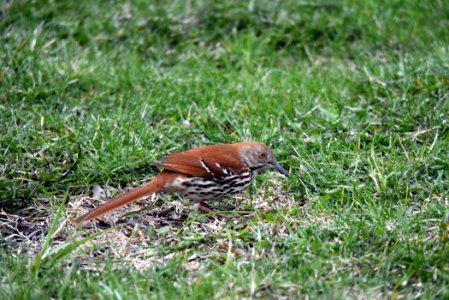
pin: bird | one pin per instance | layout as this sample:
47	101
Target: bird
212	172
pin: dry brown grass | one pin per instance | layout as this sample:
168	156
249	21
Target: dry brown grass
134	235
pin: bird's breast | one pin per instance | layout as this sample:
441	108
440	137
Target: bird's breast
200	189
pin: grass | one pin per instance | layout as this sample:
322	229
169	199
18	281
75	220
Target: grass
352	95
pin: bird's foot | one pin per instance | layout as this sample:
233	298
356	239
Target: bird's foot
230	207
204	207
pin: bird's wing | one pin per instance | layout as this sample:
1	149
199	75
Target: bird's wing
210	162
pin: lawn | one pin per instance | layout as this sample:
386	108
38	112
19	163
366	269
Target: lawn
353	96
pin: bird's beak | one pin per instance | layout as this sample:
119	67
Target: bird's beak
280	169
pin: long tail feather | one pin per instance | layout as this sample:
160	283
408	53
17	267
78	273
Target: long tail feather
153	186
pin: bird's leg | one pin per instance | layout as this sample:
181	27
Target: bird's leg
204	207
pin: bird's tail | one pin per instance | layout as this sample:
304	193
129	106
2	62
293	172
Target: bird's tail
154	186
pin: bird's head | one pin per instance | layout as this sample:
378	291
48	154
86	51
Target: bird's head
258	157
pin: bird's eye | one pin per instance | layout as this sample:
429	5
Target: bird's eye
262	155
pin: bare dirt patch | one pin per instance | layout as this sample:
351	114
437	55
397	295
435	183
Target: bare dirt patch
140	235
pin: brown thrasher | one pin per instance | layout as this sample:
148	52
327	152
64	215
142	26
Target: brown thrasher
203	173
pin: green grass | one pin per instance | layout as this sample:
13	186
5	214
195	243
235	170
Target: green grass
352	95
